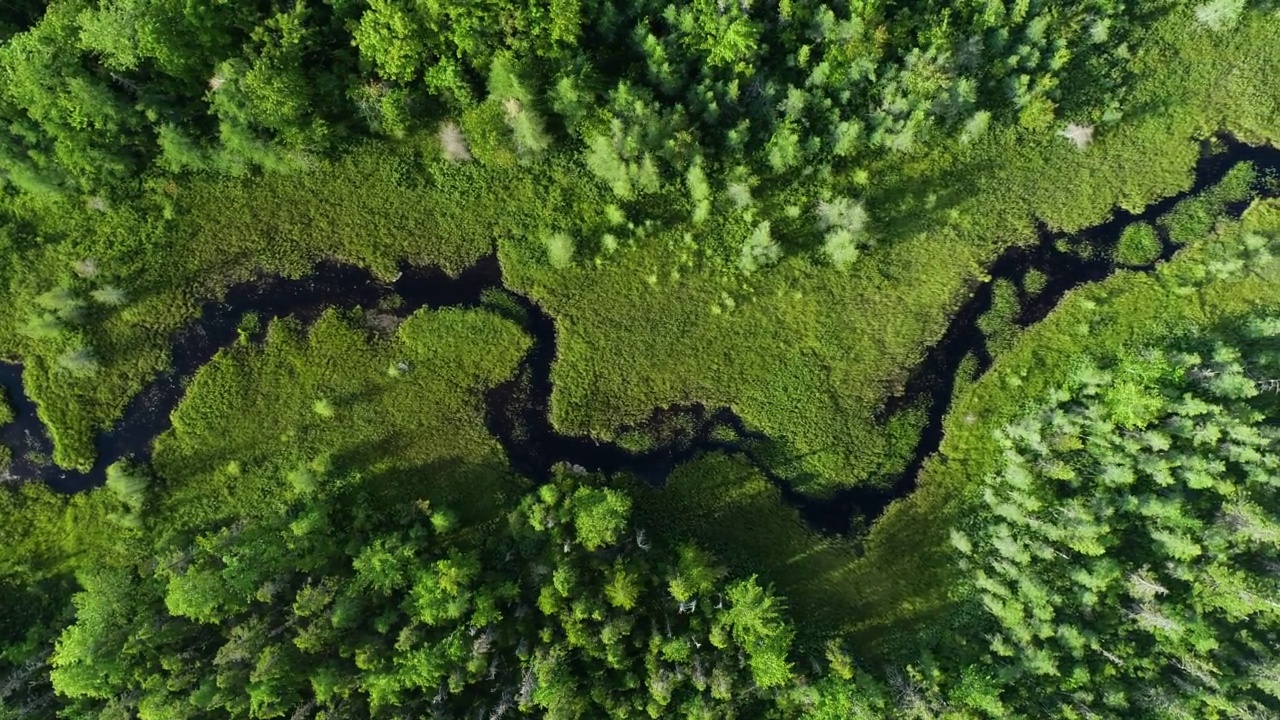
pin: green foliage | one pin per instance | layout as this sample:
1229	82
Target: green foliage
1195	217
759	249
999	323
1220	15
503	619
45	535
1139	245
1119	544
699	193
129	485
236	83
453	144
484	127
323	408
908	575
7	414
324	531
844	223
359	208
599	516
1034	282
560	249
79	362
109	295
725	505
223	465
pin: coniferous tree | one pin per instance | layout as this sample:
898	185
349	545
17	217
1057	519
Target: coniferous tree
1125	553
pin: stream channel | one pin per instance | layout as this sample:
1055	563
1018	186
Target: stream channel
517	411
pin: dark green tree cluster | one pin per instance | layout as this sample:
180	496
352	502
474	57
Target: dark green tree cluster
1128	552
648	81
334	610
753	110
28	626
41	533
94	92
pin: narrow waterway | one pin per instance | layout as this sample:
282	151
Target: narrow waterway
935	378
517	411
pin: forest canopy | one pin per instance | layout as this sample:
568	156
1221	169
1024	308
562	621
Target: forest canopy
643	88
1127	549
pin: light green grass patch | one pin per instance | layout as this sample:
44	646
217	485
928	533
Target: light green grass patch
253	415
379	205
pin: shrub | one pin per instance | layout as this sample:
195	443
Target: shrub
560	250
453	143
79	362
1139	245
1034	281
128	484
323	408
109	295
485	127
1219	15
759	250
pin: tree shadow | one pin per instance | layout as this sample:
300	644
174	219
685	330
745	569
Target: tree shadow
910	204
726	505
476	491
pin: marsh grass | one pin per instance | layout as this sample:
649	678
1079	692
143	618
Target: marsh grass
324	393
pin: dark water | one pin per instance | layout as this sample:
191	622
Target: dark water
147	415
517	412
935	378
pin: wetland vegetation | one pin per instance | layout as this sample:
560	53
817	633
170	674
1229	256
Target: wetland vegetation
571	359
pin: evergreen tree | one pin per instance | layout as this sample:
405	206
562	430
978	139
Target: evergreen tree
1125	553
337	608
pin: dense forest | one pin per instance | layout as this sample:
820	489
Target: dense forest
579	359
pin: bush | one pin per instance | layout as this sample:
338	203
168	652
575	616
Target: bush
1034	281
485	128
7	415
79	362
560	250
1139	245
129	485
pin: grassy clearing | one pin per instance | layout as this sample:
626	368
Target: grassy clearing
406	410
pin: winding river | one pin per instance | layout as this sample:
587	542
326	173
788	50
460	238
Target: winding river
517	411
